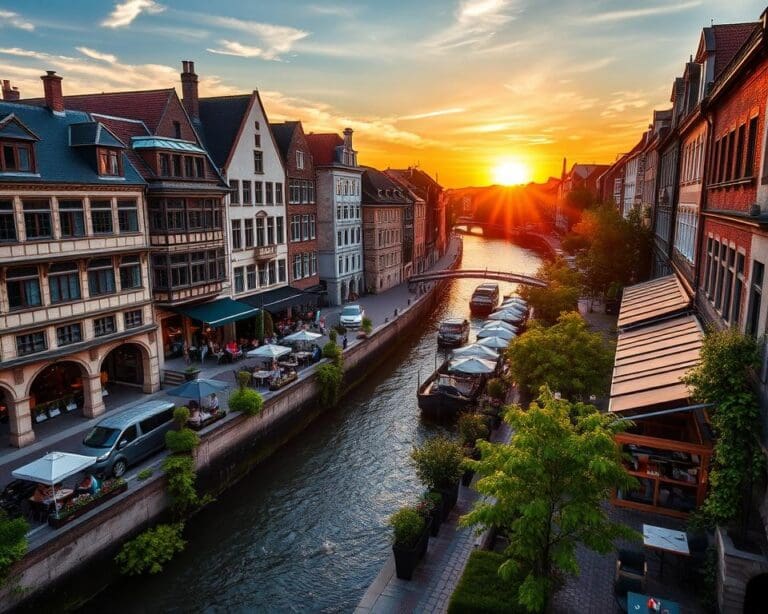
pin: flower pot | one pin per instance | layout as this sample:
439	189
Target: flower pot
466	479
406	560
424	540
450	495
191	376
436	517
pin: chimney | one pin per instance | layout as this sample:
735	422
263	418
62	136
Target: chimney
10	93
54	99
189	89
348	138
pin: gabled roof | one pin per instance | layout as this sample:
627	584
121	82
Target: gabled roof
57	161
221	119
12	128
379	189
724	40
323	147
414	191
283	134
418	178
93	133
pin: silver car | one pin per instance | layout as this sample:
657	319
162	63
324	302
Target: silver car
352	316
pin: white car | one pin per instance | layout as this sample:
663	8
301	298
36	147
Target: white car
352	316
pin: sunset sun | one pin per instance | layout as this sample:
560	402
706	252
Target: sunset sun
511	173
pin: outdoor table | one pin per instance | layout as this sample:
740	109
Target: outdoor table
303	357
665	540
639	603
261	377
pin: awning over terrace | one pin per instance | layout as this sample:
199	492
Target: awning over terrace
279	299
658	298
219	312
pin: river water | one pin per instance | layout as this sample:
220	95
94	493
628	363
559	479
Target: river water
307	529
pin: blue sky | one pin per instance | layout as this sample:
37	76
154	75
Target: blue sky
458	86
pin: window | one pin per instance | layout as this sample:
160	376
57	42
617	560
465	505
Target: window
729	273
272	272
30	343
7	222
257	140
749	161
299	159
305	227
294	191
101	216
64	282
256	125
176	165
305	264
177	129
239	279
708	267
279	233
109	162
755	298
250	274
738	288
258	193
297	274
260	232
200	167
720	275
237	237
175	217
268	188
234	191
738	163
338	238
341	261
179	270
189	166
313	263
165	165
23	287
16	157
37	219
312	226
270	231
197	267
130	272
133	319
278	193
71	219
104	326
101	276
685	230
258	162
295	228
248	232
247	200
127	216
69	334
281	270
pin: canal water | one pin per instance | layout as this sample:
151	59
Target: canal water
307	529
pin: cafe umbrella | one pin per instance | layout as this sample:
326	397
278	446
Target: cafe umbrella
501	324
498	343
52	469
269	351
495	332
197	389
472	366
302	335
475	350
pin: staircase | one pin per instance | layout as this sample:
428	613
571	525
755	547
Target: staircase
173	378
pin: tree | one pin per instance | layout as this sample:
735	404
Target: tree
13	542
567	357
546	489
561	294
722	378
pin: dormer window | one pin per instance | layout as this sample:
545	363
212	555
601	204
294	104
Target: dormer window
299	160
110	162
16	157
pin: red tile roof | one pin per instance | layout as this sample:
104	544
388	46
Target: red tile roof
323	147
729	38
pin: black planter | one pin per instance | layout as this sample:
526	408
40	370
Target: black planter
450	496
191	376
406	559
424	541
466	479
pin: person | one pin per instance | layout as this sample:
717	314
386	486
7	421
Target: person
42	493
89	486
213	403
316	353
185	352
232	350
344	343
322	325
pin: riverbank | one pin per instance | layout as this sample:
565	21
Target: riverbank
228	451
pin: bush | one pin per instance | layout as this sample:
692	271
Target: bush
333	336
13	542
145	474
408	526
367	325
482	589
180	416
496	389
471	428
182	441
341	330
246	401
180	472
329	378
438	462
148	552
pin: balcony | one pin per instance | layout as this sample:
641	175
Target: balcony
265	252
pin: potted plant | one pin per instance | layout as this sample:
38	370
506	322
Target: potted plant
438	466
471	428
613	298
365	328
71	404
497	390
54	409
40	415
408	539
431	506
191	372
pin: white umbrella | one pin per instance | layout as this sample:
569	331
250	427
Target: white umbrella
508	316
302	335
496	331
269	350
498	343
475	350
472	366
52	469
513	305
500	324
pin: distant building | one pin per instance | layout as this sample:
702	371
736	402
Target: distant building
414	239
580	177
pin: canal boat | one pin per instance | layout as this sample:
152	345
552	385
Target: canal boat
484	299
445	393
453	332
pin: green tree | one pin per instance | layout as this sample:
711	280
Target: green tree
149	551
546	488
722	378
567	357
561	294
13	542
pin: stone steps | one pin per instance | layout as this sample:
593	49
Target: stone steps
173	378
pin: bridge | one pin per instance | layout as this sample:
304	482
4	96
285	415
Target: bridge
514	278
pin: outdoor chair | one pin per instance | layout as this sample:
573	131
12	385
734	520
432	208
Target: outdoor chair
631	564
624	585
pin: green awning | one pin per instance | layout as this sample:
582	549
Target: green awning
218	312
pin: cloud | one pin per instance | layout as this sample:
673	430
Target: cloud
429	114
15	21
650	11
97	55
124	13
237	49
593	65
475	24
332	10
275	40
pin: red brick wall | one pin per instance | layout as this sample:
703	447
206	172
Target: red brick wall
735	108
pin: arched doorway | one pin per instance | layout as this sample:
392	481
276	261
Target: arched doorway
352	287
6	405
124	365
757	594
343	295
56	389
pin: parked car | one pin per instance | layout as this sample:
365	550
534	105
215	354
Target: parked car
484	298
126	438
453	332
352	316
15	497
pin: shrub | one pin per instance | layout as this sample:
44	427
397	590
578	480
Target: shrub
482	589
145	474
367	325
244	379
341	330
408	526
496	389
148	552
438	462
13	542
180	472
333	336
182	441
471	428
180	416
329	378
246	401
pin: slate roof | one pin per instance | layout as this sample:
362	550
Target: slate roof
419	179
725	40
92	133
323	147
379	189
283	134
57	162
221	118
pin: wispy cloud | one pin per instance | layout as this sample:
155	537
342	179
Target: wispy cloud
15	21
636	13
125	12
274	40
97	55
429	114
332	10
475	24
237	49
592	66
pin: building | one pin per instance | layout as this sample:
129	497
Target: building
339	221
301	209
610	184
634	178
76	316
581	178
657	132
385	204
414	239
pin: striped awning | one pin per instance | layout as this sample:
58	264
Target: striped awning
651	300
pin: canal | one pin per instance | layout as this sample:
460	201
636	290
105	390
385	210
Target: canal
307	529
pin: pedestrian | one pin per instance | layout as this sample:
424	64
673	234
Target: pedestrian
344	343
